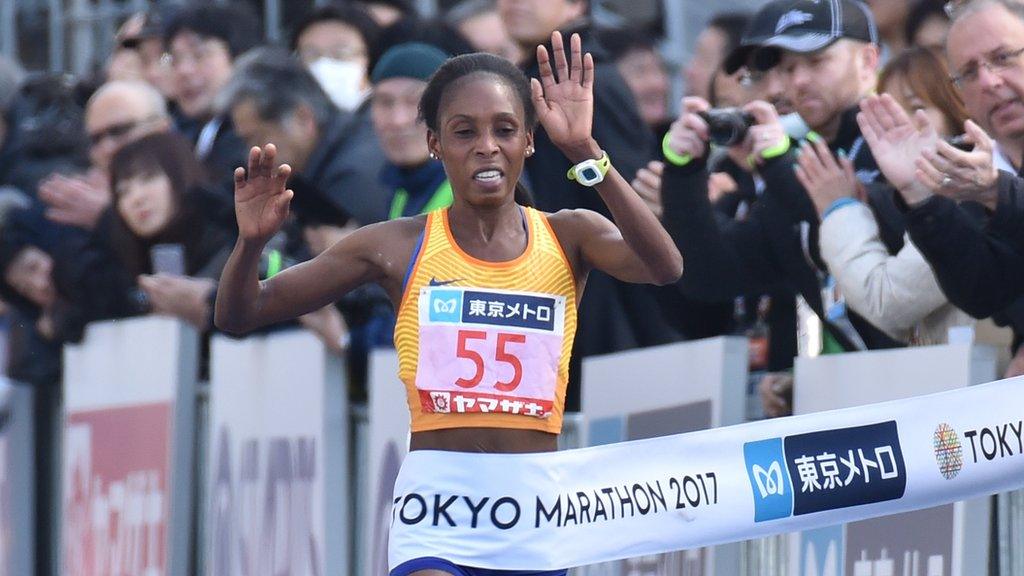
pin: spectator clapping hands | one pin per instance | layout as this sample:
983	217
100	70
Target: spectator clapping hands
75	200
919	163
648	185
826	178
897	142
962	175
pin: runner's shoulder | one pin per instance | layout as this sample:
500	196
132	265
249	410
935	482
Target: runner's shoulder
571	223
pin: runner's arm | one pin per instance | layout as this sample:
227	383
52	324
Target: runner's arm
245	303
636	248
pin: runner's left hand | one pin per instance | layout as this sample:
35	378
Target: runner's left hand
565	106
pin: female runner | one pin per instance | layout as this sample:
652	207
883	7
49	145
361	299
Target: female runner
485	290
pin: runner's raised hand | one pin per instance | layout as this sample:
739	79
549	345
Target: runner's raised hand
261	199
565	105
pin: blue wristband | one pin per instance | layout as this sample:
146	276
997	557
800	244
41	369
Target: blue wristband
846	201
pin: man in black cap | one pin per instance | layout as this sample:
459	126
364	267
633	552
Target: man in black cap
826	54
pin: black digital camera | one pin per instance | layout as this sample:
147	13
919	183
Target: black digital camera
727	126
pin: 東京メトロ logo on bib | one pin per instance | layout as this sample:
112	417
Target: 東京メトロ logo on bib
825	470
445	305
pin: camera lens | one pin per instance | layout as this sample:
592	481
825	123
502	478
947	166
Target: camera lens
727	126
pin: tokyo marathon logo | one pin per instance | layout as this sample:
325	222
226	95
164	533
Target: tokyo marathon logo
949	453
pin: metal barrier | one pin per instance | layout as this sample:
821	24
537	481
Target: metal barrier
1010	540
128	449
17	479
278	458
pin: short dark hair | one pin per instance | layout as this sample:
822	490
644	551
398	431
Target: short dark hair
277	84
732	24
350	15
235	26
166	152
171	154
434	32
460	67
21	228
619	42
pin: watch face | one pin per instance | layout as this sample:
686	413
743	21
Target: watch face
590	174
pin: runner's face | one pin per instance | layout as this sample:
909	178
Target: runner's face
482	139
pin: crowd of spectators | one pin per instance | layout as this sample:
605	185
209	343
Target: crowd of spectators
871	200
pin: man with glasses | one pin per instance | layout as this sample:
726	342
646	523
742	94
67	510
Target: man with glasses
118	113
980	268
989	72
203	42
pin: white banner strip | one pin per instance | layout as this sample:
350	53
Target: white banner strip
579	507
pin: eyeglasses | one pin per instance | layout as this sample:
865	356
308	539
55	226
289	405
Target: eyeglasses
998	62
200	52
117	131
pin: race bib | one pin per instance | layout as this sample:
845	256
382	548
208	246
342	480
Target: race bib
484	350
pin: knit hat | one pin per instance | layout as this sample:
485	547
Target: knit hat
410	60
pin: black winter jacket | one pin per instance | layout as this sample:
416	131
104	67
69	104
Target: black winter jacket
776	246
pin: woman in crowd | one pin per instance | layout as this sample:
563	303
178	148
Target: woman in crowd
165	221
174	234
897	293
485	250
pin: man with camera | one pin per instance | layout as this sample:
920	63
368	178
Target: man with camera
827	55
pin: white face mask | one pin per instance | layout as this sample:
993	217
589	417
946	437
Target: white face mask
343	81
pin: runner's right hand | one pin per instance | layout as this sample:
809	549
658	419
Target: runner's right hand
261	199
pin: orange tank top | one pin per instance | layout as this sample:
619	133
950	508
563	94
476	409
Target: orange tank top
486	344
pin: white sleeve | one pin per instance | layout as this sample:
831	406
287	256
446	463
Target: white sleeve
894	293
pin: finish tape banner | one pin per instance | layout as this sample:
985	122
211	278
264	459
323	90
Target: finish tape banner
578	507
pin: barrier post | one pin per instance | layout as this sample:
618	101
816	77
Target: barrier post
659	391
942	541
17	479
278	467
129	403
386	444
